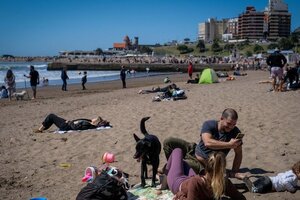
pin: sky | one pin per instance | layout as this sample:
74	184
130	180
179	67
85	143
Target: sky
45	27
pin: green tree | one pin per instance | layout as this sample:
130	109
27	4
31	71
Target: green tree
229	47
182	48
273	46
98	51
257	48
215	47
201	46
249	53
285	44
145	49
186	40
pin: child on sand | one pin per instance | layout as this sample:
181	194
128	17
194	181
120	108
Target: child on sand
286	181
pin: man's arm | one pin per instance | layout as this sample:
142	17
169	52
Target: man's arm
238	157
211	143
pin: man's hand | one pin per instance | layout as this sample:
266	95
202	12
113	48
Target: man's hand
235	143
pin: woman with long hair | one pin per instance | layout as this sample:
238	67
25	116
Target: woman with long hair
187	185
10	83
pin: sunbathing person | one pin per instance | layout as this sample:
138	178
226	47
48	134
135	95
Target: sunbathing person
77	124
285	181
196	80
158	89
186	184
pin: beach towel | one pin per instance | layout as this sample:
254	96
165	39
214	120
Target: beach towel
139	193
70	131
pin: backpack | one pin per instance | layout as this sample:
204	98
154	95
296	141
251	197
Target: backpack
104	187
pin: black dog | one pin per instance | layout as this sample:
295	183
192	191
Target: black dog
147	150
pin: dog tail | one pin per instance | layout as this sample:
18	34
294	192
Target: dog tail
142	125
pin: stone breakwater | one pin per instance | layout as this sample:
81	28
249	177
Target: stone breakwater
153	67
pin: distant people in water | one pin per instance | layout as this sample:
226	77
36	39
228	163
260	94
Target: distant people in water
45	81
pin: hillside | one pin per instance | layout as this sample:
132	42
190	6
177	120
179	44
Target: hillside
247	49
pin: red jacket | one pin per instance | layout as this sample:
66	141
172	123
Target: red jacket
190	68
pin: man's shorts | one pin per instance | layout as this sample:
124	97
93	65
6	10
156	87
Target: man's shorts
277	72
33	87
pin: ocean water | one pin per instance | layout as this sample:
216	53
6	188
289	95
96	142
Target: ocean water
19	69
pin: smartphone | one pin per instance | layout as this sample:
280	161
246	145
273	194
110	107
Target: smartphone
239	136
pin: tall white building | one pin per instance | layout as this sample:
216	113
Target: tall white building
212	29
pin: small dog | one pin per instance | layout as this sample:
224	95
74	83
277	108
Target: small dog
147	150
20	95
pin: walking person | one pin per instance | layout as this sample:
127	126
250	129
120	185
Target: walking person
84	80
10	83
64	77
123	76
34	80
190	70
277	61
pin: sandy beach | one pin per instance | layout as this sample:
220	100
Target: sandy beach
30	162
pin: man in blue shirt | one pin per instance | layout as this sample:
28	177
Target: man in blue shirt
216	135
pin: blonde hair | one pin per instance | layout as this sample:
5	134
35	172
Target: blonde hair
216	169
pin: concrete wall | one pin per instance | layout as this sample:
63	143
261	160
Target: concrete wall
137	67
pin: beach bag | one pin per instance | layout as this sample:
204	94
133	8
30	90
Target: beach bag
104	187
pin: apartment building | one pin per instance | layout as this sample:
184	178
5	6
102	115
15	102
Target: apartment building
251	24
278	19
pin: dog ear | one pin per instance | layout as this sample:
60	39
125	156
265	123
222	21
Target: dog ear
136	137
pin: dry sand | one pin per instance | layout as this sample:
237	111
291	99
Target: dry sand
30	161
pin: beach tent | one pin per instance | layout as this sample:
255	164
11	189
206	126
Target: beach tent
208	76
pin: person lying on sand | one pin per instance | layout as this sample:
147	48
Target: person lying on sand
196	80
77	124
285	181
158	89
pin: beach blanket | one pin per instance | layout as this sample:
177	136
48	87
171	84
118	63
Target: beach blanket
70	131
139	193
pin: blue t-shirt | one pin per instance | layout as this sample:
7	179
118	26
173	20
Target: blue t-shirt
211	126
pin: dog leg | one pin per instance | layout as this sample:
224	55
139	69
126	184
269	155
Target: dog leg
154	170
143	173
